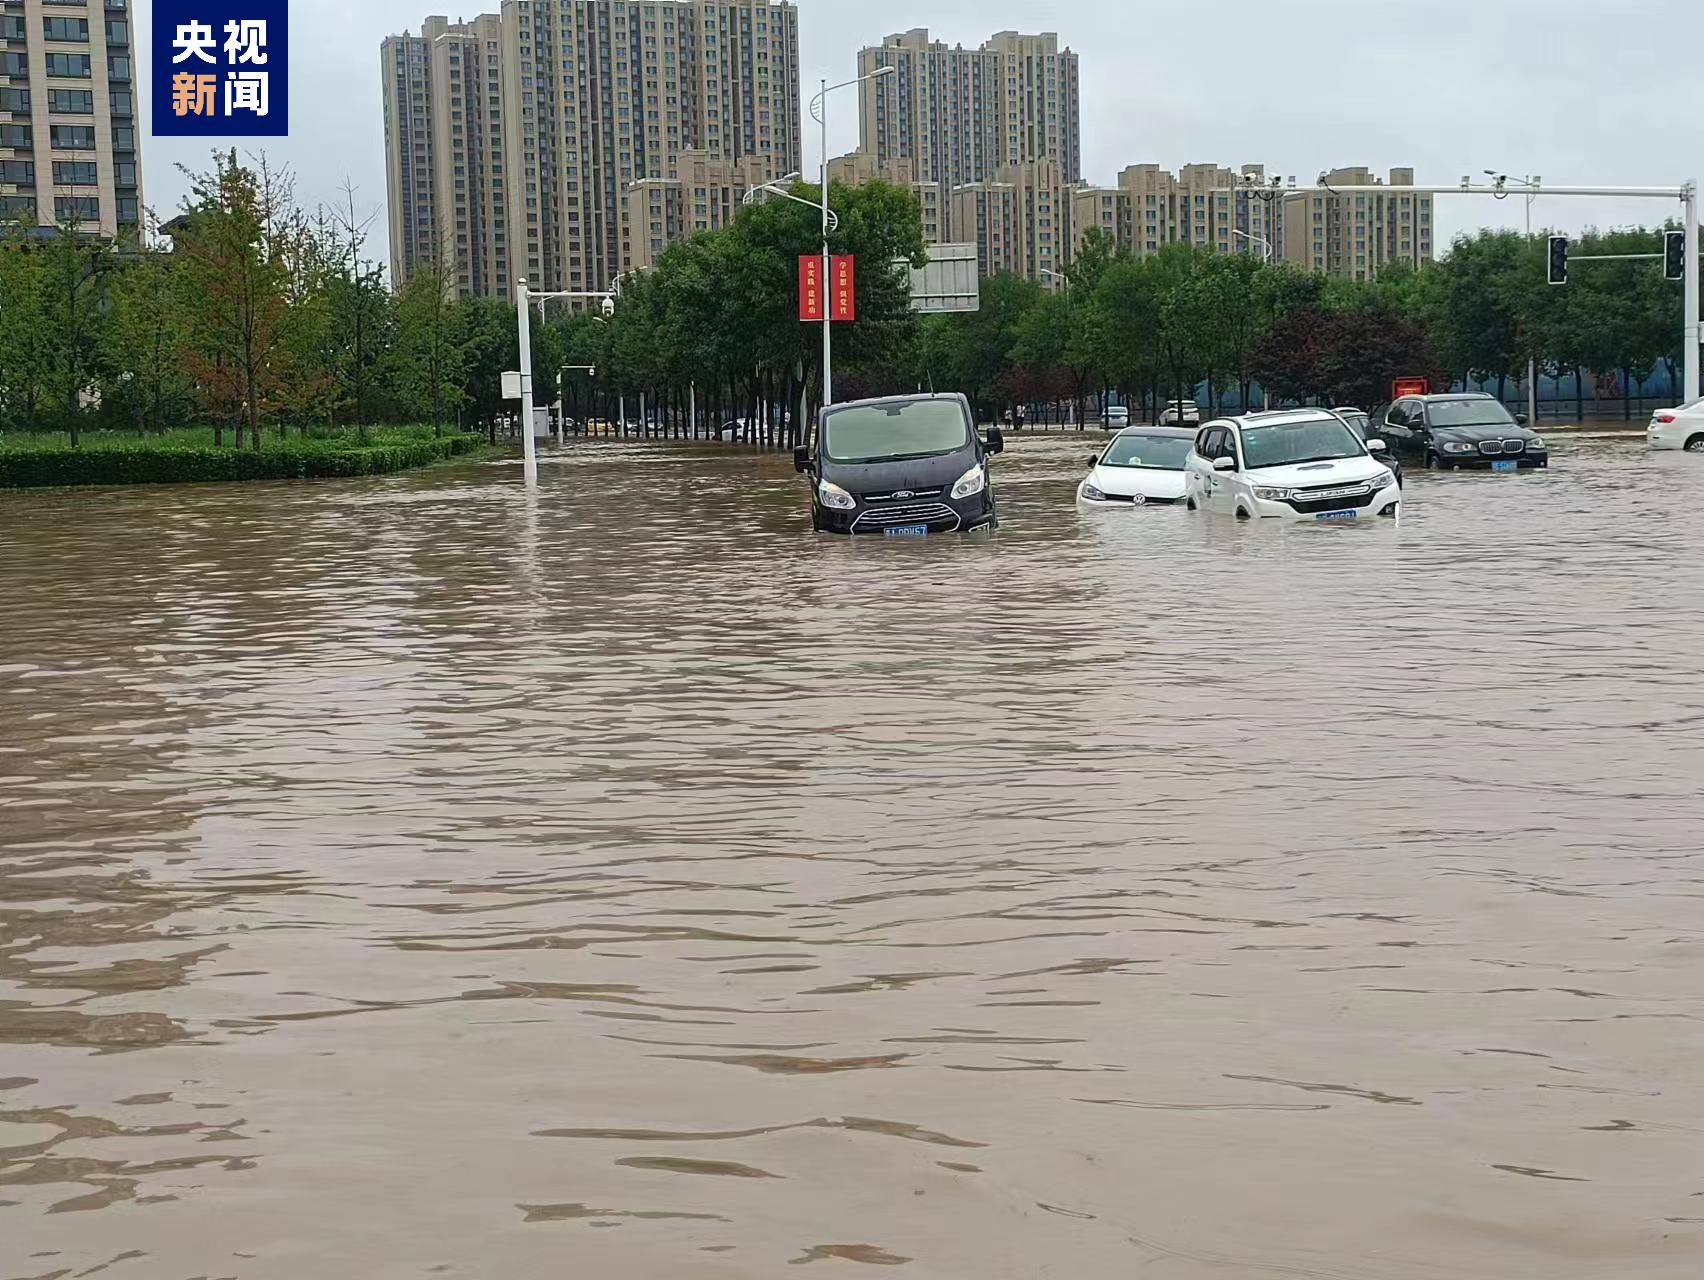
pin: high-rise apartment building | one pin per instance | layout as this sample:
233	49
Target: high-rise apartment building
1356	236
68	123
444	156
1202	204
539	122
1020	222
954	116
603	94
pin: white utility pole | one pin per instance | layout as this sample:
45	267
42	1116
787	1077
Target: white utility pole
524	298
1531	184
819	113
1694	336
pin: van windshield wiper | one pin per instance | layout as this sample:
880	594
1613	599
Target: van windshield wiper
902	457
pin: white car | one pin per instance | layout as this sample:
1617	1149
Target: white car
1681	428
1297	464
1115	417
1181	413
1143	466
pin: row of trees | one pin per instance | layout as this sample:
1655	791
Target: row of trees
260	315
267	316
1184	319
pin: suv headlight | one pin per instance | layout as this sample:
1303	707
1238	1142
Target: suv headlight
1274	495
1383	480
1460	446
1091	493
832	495
1536	445
971	483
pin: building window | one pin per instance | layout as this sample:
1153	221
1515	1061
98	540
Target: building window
76	137
74	29
74	173
72	65
77	208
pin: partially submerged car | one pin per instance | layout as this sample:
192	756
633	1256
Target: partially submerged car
1143	466
1299	464
900	465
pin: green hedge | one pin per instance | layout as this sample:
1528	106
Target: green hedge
38	468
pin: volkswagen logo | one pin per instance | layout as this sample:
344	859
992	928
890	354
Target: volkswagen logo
1140	500
904	493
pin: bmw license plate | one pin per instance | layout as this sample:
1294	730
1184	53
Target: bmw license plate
1505	466
906	530
1337	515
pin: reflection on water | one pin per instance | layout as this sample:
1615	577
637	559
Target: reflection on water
412	876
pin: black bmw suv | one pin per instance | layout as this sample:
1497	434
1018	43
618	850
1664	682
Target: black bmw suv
1461	431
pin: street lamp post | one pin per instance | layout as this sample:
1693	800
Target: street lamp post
1265	245
524	298
1531	183
819	113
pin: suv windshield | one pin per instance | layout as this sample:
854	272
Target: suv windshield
1284	444
1468	413
890	432
1163	453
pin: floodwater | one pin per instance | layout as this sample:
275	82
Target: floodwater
411	877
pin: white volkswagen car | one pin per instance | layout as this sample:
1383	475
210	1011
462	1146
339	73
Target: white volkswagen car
1143	466
1681	428
1297	464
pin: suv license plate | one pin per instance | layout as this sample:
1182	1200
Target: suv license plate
1505	466
1337	515
906	530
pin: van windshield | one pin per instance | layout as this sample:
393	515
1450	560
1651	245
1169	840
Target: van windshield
892	432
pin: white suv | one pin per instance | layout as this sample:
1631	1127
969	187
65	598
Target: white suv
1298	464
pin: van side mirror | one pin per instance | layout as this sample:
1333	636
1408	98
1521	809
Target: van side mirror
1375	445
801	459
996	442
1224	464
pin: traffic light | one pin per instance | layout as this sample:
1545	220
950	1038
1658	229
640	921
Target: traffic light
1674	255
1558	260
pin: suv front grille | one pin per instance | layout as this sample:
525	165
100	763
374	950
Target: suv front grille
1340	501
906	513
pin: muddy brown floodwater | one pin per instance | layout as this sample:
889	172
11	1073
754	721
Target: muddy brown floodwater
409	877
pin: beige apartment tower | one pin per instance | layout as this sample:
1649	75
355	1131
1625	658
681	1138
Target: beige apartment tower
445	175
536	139
952	116
1356	236
68	122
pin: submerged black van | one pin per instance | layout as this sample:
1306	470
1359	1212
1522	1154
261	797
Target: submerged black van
899	465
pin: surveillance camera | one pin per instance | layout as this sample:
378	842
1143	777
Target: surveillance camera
609	306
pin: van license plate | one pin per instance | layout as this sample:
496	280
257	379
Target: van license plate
906	530
1337	515
1505	466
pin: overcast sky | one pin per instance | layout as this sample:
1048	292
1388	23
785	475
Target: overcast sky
1584	92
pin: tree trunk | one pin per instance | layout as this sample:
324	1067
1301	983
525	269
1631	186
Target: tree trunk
1579	393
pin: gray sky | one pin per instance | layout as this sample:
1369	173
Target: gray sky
1580	91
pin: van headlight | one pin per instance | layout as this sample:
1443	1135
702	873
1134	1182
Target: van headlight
971	483
833	496
1274	495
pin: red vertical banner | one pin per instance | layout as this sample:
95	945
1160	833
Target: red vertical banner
810	287
845	295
